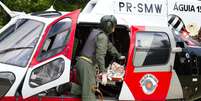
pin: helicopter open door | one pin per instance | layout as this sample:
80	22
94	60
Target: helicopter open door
150	62
51	62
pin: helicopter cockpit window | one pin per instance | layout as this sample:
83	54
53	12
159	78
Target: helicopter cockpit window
56	39
18	41
47	73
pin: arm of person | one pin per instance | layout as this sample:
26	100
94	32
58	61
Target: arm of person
113	51
101	49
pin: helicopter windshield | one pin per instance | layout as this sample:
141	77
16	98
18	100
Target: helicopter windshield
15	40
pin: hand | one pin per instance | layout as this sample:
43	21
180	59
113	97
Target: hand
104	79
122	57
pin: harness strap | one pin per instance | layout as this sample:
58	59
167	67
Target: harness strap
86	59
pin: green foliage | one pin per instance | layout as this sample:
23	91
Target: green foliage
39	5
4	18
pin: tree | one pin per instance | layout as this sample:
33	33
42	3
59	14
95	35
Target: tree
4	18
39	5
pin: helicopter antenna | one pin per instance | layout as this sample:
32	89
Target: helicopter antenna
52	7
7	10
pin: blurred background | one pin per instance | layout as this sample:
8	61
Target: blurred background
39	5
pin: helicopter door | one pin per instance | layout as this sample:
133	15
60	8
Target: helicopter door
149	67
50	65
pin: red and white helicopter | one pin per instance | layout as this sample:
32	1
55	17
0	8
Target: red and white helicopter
38	51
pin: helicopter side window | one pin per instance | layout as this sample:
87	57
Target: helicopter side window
152	48
56	39
47	72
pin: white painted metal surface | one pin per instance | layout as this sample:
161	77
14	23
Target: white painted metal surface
18	72
138	12
125	93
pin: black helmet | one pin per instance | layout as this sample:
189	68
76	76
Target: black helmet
107	23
